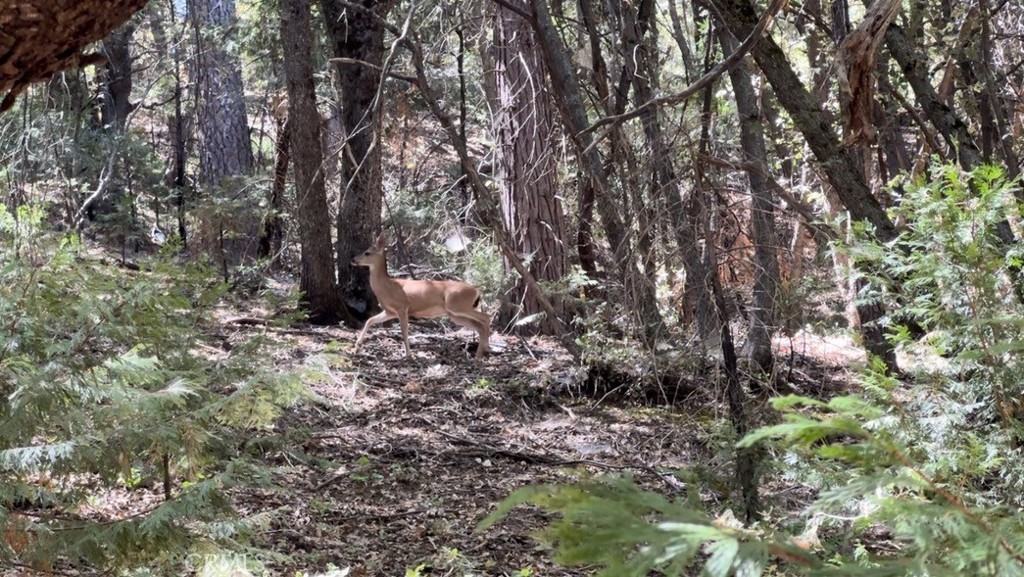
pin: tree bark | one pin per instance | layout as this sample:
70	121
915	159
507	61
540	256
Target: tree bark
527	171
569	99
117	79
317	282
41	37
225	149
357	37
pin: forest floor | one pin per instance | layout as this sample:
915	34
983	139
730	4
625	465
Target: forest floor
392	466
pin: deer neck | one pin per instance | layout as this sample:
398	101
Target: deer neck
379	277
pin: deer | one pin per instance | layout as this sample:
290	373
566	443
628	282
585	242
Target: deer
423	299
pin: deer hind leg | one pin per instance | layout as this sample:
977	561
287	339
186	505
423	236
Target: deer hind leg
375	319
480	323
485	332
403	318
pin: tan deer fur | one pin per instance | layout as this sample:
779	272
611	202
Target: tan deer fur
424	299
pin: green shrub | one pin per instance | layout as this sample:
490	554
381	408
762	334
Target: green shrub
106	378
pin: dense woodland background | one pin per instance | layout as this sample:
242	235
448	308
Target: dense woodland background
662	201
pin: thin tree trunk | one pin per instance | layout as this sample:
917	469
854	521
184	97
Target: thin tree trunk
758	347
640	27
180	159
273	227
747	472
174	177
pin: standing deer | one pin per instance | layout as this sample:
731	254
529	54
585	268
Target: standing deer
424	299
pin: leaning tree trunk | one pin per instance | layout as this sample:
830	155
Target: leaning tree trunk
357	39
319	288
527	169
841	167
32	49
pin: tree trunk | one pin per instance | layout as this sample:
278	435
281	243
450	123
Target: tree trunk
273	227
358	37
915	69
114	107
758	347
842	167
117	79
640	29
33	47
527	170
569	98
225	150
317	282
174	173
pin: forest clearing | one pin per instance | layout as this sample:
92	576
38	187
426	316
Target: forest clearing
328	288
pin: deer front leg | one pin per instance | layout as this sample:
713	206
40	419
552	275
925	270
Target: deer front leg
484	331
375	319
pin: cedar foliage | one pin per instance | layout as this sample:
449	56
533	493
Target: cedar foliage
109	380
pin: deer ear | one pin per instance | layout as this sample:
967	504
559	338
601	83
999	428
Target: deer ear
382	240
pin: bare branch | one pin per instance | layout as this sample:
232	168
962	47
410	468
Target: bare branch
395	75
701	82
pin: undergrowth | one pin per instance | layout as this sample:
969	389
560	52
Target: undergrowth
914	476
